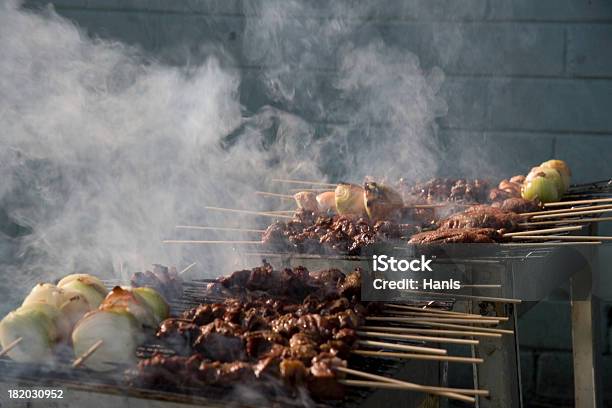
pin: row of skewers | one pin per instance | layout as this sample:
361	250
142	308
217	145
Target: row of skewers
293	327
522	209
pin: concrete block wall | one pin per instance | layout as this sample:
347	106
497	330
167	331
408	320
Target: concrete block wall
526	80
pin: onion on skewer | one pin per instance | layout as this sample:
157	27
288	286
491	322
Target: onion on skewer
155	301
563	170
41	327
126	299
327	201
120	333
349	199
90	287
382	202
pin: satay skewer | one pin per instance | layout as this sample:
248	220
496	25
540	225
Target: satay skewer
238	211
204	242
598	238
430	310
411	386
403	347
550	244
304	182
566	221
439	332
391	386
447	320
206	228
11	346
569	210
397	336
544	231
459	318
578	202
571	214
187	268
268	194
437	324
87	353
412	356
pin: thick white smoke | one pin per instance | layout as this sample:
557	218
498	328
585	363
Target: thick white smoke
103	151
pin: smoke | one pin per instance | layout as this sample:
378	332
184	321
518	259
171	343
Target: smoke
104	150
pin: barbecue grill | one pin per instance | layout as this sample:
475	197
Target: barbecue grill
527	270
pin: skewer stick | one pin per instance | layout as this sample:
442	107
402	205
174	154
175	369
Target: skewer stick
449	340
439	332
460	296
411	386
447	320
260	213
187	268
578	202
567	237
455	359
570	214
544	231
268	194
403	347
438	324
391	386
430	310
314	190
196	227
304	182
567	221
549	244
11	346
186	241
87	354
569	210
427	316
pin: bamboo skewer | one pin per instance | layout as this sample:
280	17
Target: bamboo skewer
455	359
392	386
447	320
566	221
578	202
187	268
187	241
313	190
549	244
568	237
461	296
569	210
460	318
449	340
570	214
260	213
87	354
268	194
411	386
439	332
430	310
544	231
304	182
204	228
11	346
438	324
403	347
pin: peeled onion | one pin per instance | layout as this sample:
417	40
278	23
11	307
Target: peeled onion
550	174
120	334
75	306
381	202
46	293
120	298
541	188
327	201
349	199
41	327
155	301
91	288
563	170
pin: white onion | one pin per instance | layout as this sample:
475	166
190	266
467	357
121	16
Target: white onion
155	301
46	293
89	280
120	298
120	334
90	292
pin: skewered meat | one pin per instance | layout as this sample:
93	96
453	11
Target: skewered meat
517	205
445	189
457	236
165	281
483	216
336	233
507	189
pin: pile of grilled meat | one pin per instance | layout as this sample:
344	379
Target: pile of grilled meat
294	337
